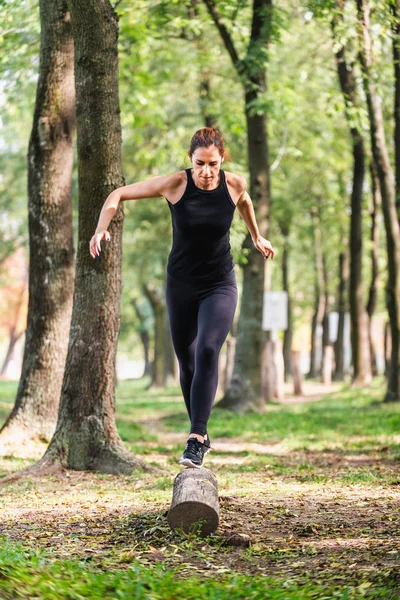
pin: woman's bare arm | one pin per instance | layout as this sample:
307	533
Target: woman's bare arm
163	185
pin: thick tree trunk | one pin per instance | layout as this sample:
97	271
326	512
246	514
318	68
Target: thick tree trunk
359	319
342	308
86	437
50	157
387	187
373	288
244	391
158	305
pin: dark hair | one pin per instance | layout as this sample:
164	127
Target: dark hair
206	137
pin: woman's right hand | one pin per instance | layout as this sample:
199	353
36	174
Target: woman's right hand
94	246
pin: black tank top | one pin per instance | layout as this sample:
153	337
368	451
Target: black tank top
201	220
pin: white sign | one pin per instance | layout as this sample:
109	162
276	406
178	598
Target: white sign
275	311
333	327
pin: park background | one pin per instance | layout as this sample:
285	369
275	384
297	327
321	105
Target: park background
309	475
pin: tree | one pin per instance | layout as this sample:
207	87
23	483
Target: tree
86	435
359	318
245	388
50	158
388	194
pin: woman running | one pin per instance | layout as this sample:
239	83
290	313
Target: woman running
201	290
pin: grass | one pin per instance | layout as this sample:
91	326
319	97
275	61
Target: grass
315	485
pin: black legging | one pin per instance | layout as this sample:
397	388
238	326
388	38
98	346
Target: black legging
200	317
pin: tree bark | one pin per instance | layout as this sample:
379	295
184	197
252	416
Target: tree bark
195	502
144	336
387	187
327	349
86	437
373	288
159	368
359	319
14	334
50	158
319	294
288	333
395	5
342	308
244	391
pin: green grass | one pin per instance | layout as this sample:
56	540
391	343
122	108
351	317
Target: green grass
34	575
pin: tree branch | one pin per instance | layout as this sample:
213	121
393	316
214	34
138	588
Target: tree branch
226	36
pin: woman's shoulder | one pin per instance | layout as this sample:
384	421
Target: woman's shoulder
174	180
237	182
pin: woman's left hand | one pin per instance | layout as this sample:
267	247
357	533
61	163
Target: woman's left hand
264	246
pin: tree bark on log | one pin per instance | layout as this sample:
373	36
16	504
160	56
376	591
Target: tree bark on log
51	269
195	502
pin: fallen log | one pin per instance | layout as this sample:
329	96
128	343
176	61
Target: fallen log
195	502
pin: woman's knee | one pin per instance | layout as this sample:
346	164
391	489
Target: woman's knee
208	354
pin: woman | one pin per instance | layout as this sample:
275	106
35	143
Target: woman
201	289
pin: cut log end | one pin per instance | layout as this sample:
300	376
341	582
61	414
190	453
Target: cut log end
189	516
195	502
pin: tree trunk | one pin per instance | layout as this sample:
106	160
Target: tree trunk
171	376
359	319
14	335
158	306
327	349
86	437
373	288
12	342
144	336
50	157
288	334
244	391
319	294
387	187
342	308
297	375
395	5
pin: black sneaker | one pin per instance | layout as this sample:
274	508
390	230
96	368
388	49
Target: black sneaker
194	453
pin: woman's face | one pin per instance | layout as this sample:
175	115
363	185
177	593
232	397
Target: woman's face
206	166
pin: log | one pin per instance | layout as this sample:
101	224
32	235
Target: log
195	500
